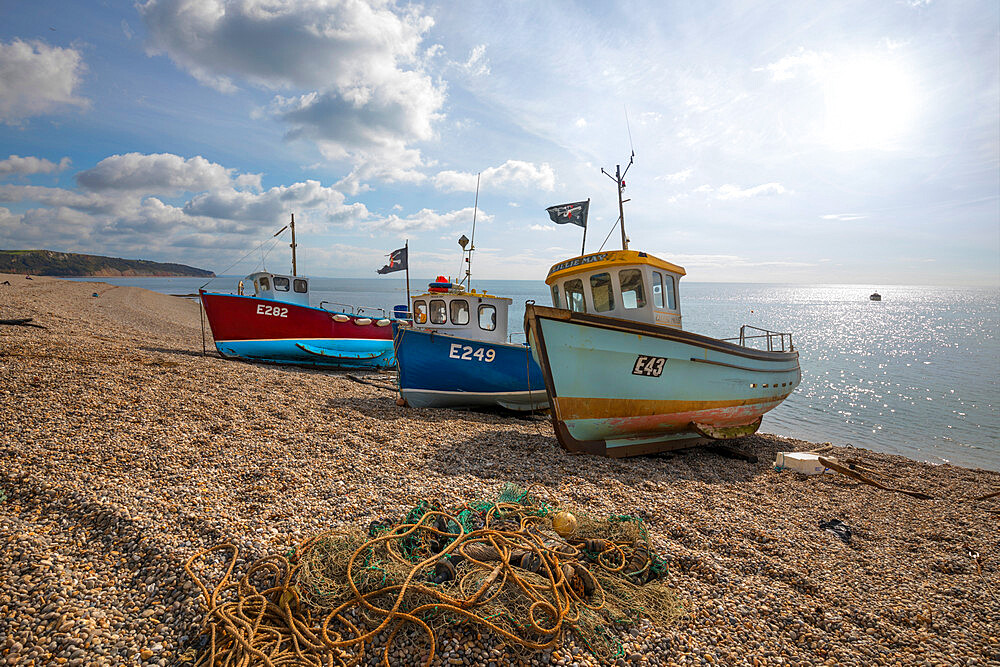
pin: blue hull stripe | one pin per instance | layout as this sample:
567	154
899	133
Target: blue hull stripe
338	353
454	371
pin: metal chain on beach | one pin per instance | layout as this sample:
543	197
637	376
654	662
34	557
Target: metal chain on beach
494	565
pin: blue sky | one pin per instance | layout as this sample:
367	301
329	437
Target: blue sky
835	142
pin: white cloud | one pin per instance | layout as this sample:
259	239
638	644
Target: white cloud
726	261
127	29
59	197
790	67
677	176
511	173
542	228
117	208
325	203
248	181
844	217
736	192
36	78
581	122
286	43
477	64
428	219
25	166
389	164
355	69
157	173
47	228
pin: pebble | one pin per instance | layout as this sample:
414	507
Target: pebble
124	451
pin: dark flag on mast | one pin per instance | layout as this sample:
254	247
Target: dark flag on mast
574	214
397	262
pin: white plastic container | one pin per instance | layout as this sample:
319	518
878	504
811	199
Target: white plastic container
803	462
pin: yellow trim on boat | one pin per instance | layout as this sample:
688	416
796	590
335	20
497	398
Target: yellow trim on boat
463	294
612	257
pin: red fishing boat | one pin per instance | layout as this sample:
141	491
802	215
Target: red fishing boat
270	318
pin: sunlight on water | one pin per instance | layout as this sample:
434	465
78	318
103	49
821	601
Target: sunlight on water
915	374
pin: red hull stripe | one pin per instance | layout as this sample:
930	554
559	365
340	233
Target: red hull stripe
240	318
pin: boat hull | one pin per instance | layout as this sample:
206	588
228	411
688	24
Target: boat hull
267	330
438	370
621	388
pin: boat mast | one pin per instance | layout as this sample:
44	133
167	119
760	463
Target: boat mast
467	251
619	179
292	225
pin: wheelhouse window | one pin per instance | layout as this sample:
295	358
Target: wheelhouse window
574	296
439	314
459	311
281	284
602	292
487	317
632	292
555	296
671	285
420	312
265	284
300	285
657	289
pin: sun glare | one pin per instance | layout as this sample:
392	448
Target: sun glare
870	103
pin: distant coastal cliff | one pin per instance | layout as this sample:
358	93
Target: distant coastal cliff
50	263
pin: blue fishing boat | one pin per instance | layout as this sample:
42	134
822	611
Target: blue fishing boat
622	375
456	351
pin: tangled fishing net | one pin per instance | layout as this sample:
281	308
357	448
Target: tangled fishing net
497	565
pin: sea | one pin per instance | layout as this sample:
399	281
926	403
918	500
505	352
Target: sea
914	374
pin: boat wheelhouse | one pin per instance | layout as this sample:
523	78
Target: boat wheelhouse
291	289
625	284
474	315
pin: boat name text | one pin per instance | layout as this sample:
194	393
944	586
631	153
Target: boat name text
466	353
577	262
649	366
276	311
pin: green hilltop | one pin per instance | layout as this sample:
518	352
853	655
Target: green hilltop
51	263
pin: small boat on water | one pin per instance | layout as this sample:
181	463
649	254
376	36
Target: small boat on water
875	297
270	318
622	375
457	352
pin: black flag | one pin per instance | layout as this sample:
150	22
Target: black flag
397	261
574	214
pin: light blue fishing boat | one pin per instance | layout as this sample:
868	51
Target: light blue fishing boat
625	379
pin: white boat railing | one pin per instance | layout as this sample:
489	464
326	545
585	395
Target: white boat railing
775	341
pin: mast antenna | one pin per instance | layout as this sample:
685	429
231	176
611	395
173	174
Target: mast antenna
619	179
292	225
469	245
629	129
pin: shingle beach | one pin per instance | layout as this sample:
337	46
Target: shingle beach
124	451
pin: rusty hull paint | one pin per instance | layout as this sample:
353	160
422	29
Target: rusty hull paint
603	408
654	418
728	432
